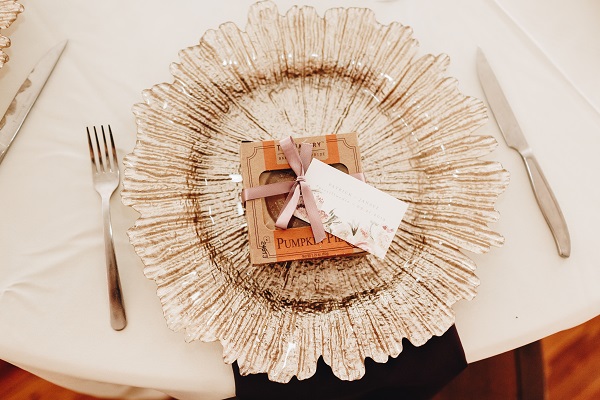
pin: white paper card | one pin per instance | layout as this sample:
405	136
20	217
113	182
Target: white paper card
352	209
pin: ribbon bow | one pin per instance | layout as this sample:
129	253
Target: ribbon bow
299	162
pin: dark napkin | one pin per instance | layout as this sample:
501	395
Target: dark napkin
417	373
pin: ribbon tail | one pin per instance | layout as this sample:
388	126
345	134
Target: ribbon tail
314	216
271	189
291	202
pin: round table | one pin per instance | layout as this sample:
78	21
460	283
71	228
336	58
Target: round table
53	296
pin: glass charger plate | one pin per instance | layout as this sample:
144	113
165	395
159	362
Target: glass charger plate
9	10
302	74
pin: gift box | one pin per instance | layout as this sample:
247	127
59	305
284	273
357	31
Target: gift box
264	163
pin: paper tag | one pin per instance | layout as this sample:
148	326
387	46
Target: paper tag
353	210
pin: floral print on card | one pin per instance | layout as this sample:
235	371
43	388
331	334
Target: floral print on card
367	235
353	210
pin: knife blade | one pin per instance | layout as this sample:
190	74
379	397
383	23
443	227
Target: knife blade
515	139
30	89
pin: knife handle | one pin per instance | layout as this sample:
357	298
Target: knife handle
549	206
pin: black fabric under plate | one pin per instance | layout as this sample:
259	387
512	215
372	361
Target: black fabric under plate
417	373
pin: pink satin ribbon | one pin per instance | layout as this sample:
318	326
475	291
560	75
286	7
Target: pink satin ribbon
299	163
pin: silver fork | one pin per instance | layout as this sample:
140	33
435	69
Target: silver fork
105	171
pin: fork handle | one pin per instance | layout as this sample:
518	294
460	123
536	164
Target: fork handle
118	321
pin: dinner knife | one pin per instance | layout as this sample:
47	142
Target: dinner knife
19	108
515	139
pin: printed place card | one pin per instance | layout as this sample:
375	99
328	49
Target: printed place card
353	210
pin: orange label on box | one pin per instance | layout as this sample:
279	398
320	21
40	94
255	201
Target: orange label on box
299	243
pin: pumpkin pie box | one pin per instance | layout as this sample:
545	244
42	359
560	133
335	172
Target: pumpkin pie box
264	163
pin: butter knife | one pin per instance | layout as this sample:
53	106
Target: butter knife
19	108
515	139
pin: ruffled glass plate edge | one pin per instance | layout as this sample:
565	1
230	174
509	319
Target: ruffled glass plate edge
446	318
9	10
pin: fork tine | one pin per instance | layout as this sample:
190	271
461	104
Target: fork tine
114	148
100	162
109	162
91	148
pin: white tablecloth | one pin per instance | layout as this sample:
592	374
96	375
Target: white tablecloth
53	297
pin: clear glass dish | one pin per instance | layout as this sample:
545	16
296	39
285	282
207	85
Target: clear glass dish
302	74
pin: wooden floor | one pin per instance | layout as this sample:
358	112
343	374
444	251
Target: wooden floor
571	361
